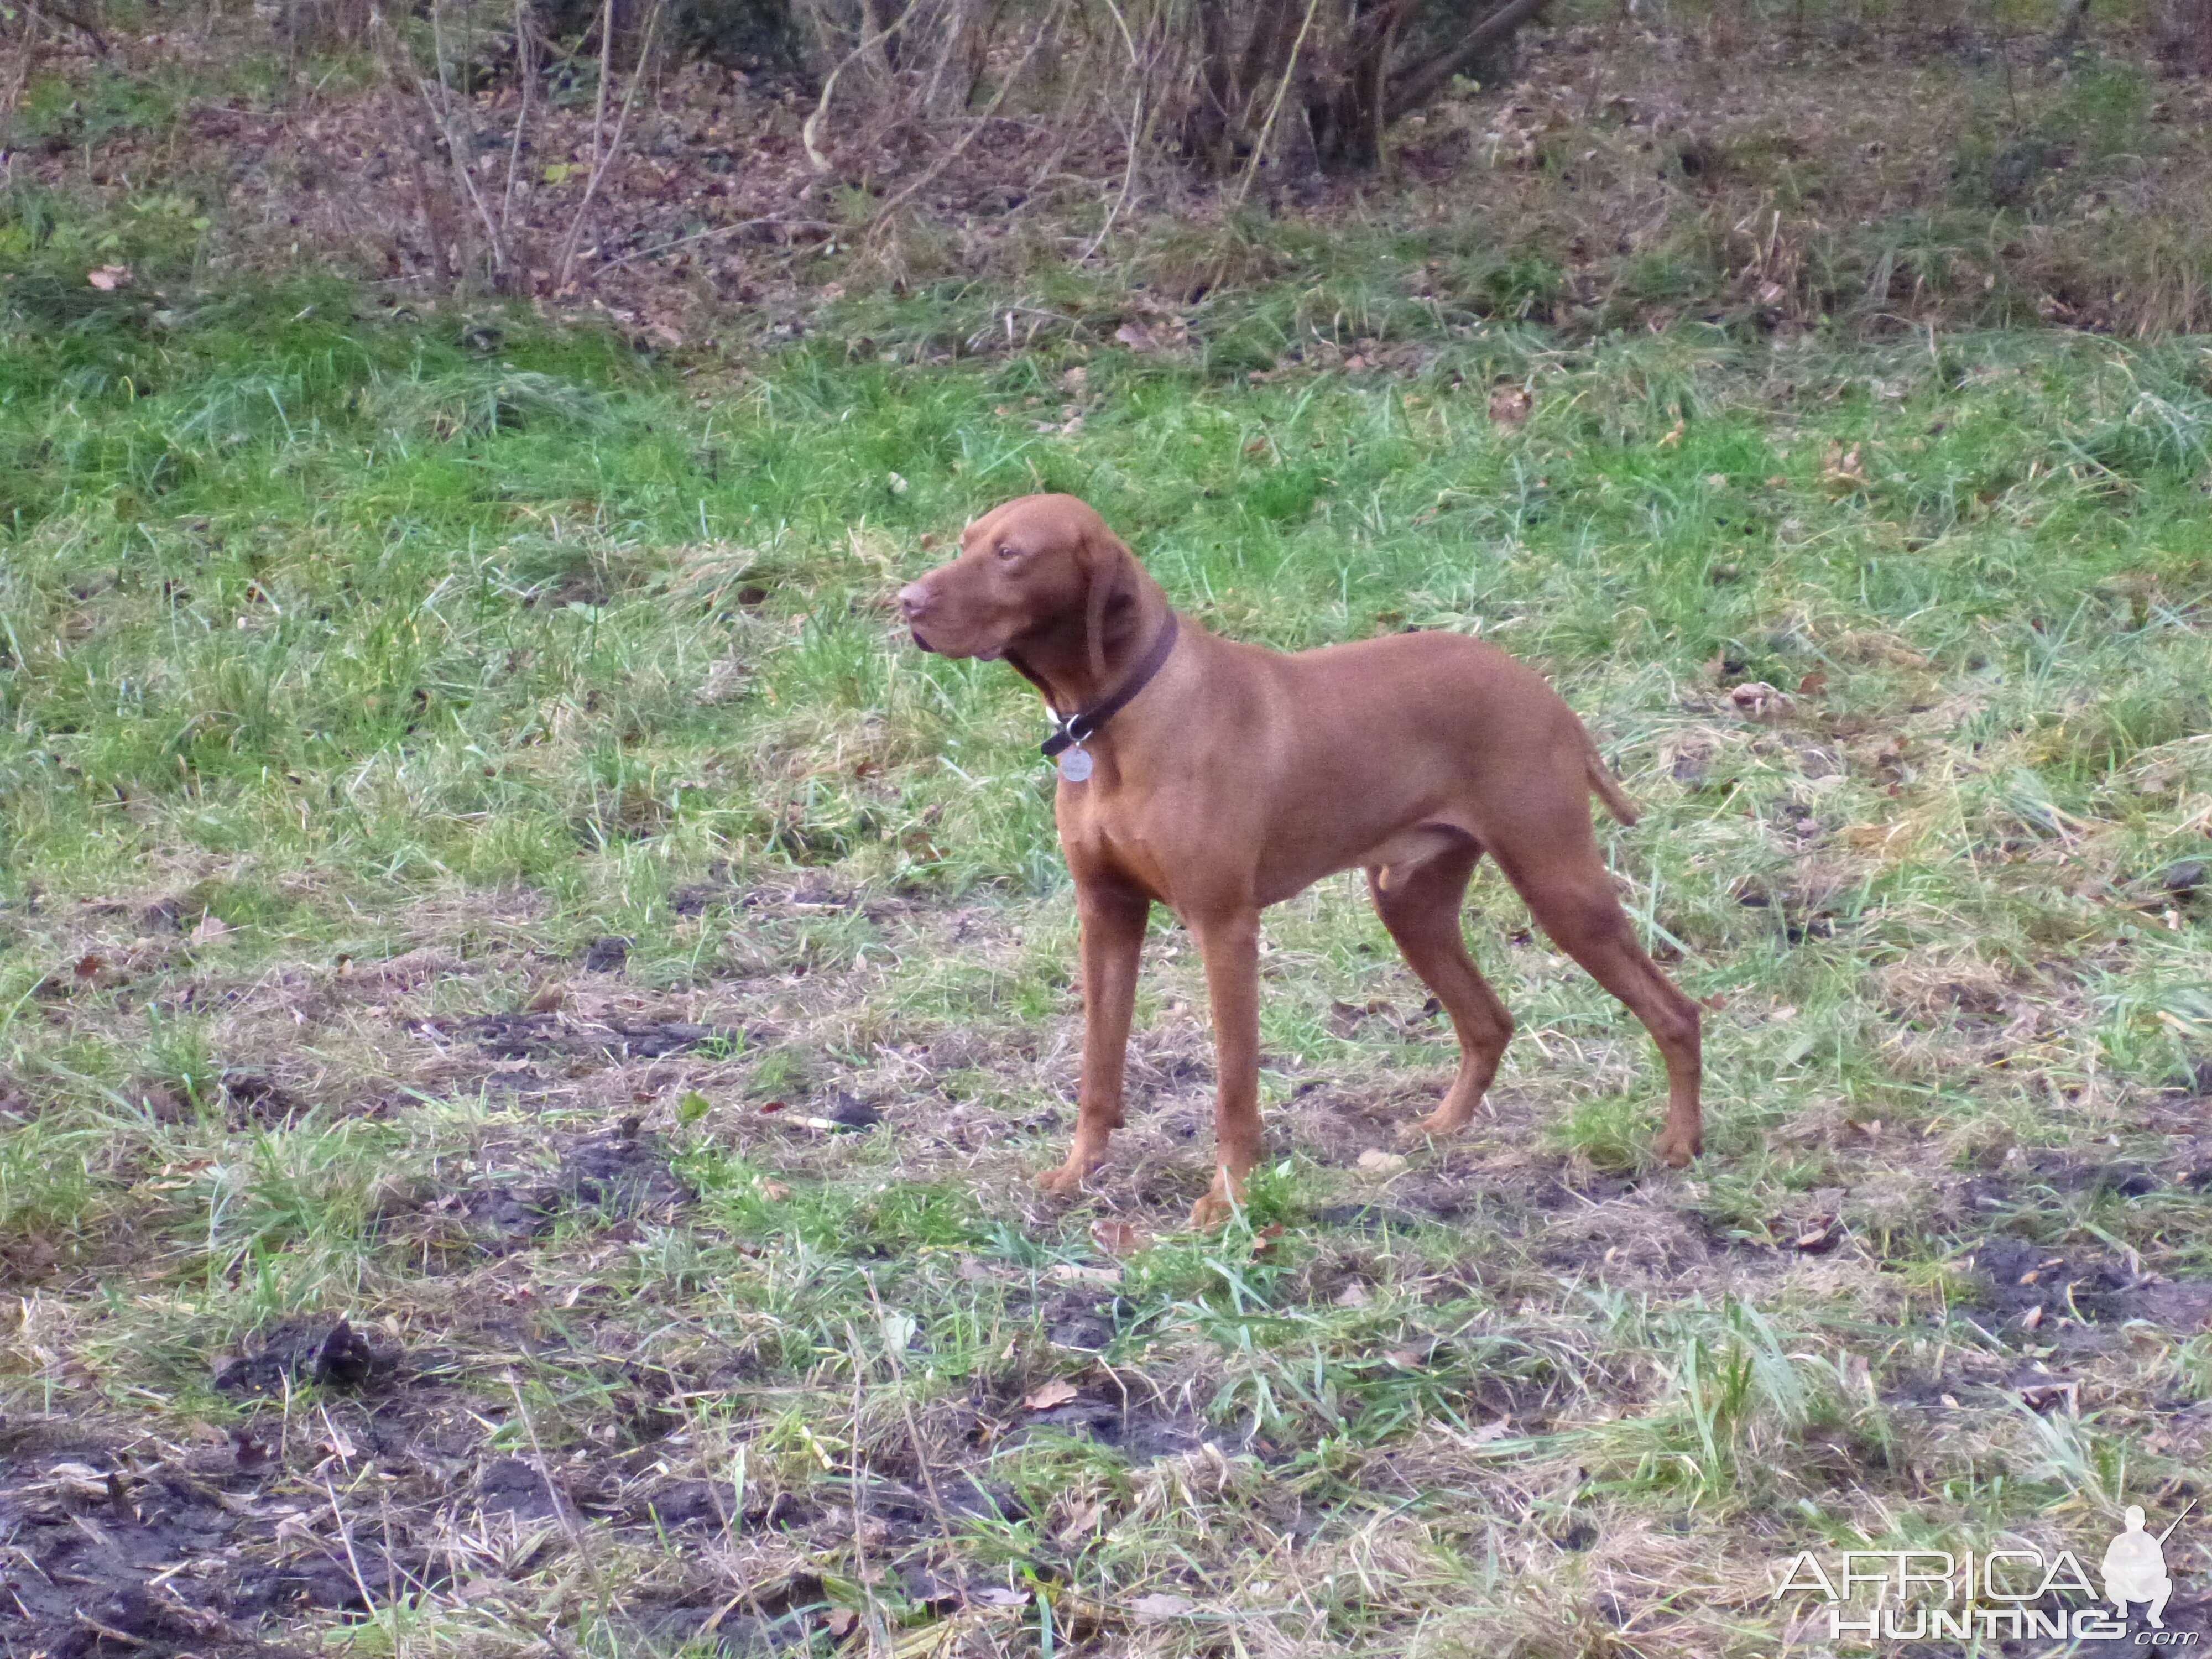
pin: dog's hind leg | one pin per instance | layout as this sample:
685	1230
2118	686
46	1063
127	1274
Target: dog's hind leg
1420	905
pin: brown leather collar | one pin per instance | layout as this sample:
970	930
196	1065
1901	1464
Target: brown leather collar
1085	724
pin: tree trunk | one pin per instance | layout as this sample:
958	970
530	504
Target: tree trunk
1347	104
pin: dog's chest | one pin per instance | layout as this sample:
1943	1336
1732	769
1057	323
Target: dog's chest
1120	833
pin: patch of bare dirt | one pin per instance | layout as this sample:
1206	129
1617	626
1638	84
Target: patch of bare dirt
615	1037
621	1176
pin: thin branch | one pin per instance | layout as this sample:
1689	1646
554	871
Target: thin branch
606	73
525	76
1417	86
812	126
952	151
442	112
48	8
670	247
1274	109
1139	120
614	148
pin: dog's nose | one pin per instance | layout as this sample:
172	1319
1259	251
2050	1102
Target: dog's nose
913	599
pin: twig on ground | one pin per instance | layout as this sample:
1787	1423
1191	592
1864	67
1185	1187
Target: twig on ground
742	225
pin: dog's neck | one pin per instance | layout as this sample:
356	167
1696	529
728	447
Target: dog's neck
1057	655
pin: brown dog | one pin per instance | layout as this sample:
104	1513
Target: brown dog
1218	779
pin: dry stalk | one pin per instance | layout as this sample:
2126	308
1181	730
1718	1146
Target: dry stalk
600	163
809	133
525	81
952	152
441	111
1139	125
1275	108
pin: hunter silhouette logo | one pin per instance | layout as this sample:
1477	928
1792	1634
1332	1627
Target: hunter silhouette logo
2134	1567
2008	1593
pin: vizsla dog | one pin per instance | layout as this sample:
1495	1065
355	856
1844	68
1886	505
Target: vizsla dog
1218	779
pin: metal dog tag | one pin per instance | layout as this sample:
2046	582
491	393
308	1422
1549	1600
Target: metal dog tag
1074	765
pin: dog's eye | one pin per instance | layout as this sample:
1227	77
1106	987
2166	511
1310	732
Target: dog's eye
1008	551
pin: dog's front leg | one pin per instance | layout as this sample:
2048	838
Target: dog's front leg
1113	924
1230	942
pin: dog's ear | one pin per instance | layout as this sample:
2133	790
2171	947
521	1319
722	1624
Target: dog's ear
1106	563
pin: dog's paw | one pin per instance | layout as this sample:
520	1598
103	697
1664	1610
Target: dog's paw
1219	1203
1677	1152
1066	1180
1210	1211
1435	1127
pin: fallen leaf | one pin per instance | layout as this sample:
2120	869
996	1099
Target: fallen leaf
1264	1243
1813	684
1119	1237
2041	1397
774	1191
1757	700
692	1106
1161	1606
108	278
841	1622
1056	1393
546	998
1510	405
210	927
1354	1295
773	1105
91	965
1375	1161
1845	472
1068	1273
1483	1433
1407	1359
1818	1238
2031	1318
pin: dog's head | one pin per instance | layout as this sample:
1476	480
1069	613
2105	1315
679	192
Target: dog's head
1036	567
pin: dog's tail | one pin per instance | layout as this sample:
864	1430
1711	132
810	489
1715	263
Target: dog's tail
1607	790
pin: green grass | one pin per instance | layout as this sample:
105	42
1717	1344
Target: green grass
362	667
